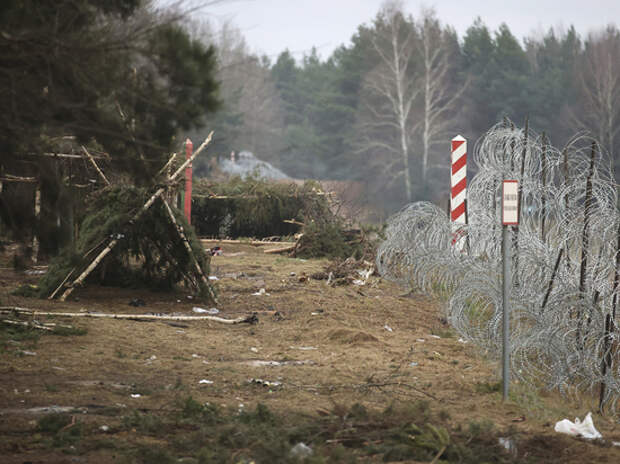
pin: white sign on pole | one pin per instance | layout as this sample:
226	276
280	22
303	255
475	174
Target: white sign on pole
510	203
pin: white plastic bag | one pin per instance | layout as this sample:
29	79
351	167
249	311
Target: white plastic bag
583	429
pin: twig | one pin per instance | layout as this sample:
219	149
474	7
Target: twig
441	451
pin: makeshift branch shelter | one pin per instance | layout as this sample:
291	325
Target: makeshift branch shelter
132	236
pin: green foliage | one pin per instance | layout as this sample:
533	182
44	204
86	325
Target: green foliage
69	331
27	290
149	251
60	426
488	387
325	240
17	333
256	208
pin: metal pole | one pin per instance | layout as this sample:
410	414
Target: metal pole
506	310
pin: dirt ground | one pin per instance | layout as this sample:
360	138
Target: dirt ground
315	349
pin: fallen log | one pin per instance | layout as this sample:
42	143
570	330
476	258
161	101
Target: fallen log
251	319
244	242
281	250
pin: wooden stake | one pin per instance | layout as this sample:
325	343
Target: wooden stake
37	217
551	281
543	161
585	240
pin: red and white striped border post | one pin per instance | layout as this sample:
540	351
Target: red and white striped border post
459	180
189	147
458	190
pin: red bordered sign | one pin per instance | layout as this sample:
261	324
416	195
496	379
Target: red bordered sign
510	203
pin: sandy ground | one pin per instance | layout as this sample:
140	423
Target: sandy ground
321	345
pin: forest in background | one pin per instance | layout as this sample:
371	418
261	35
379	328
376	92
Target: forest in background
382	110
130	81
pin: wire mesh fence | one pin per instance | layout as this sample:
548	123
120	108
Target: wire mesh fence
565	260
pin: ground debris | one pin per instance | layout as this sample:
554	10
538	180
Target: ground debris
346	272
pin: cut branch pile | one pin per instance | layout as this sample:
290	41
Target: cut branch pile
125	224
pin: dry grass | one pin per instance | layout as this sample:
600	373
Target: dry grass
333	348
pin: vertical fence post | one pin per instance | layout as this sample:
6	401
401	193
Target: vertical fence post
458	188
510	217
189	146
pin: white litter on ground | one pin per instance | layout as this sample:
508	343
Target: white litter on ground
578	428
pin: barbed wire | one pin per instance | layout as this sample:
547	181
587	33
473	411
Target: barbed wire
564	324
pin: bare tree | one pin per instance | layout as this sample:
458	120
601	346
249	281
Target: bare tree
437	81
390	92
598	77
247	90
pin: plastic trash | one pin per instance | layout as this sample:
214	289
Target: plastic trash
578	428
388	328
197	309
205	382
136	395
301	450
262	291
508	444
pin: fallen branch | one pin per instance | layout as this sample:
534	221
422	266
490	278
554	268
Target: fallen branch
294	222
245	242
251	319
27	324
10	178
281	250
441	451
94	163
188	247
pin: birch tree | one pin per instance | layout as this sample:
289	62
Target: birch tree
389	93
440	93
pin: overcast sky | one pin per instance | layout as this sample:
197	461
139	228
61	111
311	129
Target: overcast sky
270	26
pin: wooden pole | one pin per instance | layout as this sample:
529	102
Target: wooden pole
189	146
543	161
179	229
37	220
610	327
551	281
137	216
585	239
94	163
